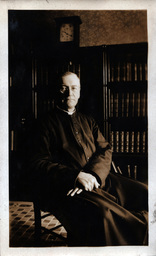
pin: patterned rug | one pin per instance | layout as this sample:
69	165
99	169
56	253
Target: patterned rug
22	227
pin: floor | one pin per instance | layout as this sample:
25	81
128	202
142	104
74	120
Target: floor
22	227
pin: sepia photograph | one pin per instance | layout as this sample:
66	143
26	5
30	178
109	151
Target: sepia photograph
78	130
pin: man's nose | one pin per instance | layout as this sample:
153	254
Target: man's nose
69	91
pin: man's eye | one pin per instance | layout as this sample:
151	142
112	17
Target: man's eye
63	89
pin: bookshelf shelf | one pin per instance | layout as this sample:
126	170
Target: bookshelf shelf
130	86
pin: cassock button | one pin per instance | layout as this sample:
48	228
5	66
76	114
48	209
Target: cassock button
76	132
88	158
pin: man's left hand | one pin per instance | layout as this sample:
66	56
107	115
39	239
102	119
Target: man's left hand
74	191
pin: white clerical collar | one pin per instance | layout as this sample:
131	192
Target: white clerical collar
68	112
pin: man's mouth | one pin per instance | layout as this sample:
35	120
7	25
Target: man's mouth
70	99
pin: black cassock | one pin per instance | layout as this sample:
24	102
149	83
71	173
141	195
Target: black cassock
115	213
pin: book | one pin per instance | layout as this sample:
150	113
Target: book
33	74
143	140
119	170
146	74
129	71
135	172
132	104
112	140
135	72
33	102
138	142
123	72
116	104
122	105
127	142
122	141
129	171
114	167
35	79
138	106
117	141
112	73
117	72
127	105
132	142
42	76
143	104
111	104
141	72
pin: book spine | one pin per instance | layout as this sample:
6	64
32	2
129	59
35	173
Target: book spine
35	78
133	104
123	72
138	107
132	142
122	141
129	171
135	172
119	170
123	105
111	104
135	72
129	71
114	167
112	72
143	105
42	75
146	73
79	71
127	104
138	142
117	141
112	140
33	102
33	74
143	139
127	142
117	72
141	73
116	105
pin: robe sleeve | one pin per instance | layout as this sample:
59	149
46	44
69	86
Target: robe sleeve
100	163
46	169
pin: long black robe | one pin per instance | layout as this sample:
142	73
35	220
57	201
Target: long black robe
114	214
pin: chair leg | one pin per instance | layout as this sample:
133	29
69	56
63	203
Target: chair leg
37	214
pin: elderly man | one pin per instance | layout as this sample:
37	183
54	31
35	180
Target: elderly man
71	168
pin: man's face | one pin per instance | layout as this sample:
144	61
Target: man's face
70	91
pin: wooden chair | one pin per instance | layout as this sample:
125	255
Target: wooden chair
39	229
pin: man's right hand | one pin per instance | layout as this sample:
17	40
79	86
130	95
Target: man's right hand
86	181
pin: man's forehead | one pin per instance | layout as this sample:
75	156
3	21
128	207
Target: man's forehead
70	79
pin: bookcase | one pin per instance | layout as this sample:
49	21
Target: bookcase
125	112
